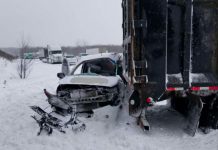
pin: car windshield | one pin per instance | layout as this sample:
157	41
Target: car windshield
104	66
56	52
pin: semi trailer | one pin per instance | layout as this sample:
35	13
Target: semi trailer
51	54
171	52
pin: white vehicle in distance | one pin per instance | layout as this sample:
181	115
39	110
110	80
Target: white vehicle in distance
78	58
72	60
83	54
54	55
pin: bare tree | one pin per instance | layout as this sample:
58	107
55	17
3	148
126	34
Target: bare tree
24	64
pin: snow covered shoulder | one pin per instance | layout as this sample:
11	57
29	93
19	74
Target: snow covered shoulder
110	127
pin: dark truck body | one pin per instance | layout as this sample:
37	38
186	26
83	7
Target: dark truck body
171	50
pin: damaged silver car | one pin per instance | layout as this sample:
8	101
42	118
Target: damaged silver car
95	81
92	83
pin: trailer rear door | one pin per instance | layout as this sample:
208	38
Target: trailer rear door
204	64
192	44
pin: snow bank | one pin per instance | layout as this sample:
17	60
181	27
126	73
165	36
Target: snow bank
110	128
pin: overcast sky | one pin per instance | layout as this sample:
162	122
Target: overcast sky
60	22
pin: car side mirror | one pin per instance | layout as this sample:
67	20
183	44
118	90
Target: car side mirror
60	75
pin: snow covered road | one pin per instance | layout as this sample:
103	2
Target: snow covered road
110	128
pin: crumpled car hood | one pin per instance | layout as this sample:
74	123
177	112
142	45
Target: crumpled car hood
106	81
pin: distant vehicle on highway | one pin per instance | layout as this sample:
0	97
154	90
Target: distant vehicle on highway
83	54
92	51
72	60
51	55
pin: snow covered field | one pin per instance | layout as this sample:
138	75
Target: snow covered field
118	131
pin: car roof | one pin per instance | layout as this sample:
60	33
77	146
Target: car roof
113	56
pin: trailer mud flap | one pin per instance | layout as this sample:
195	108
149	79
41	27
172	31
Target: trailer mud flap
194	109
142	121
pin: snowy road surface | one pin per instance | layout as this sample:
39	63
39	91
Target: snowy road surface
118	131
